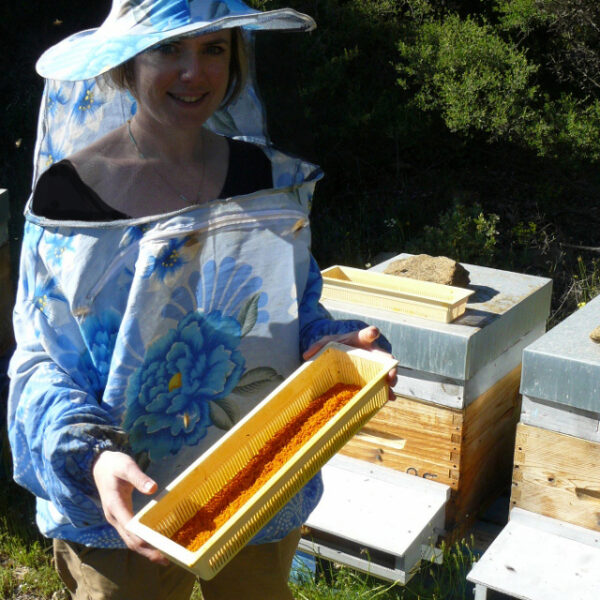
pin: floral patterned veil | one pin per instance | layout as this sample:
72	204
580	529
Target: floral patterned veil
79	105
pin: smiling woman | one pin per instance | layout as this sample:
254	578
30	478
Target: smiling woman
164	288
178	85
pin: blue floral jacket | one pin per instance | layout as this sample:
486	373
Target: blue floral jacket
155	336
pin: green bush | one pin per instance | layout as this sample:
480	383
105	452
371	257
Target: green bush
467	72
464	234
496	79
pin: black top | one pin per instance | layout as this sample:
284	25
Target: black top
62	195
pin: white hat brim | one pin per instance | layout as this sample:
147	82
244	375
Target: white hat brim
91	53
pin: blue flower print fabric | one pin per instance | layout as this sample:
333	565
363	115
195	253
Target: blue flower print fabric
169	396
138	25
154	336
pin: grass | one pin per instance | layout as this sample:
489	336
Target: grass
26	571
446	581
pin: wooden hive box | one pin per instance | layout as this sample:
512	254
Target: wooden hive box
557	475
7	296
457	398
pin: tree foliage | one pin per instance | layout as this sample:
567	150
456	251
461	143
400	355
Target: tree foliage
570	30
407	105
467	72
498	79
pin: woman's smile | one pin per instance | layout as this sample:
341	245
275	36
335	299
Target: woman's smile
187	99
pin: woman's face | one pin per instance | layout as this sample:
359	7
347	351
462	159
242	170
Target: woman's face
182	82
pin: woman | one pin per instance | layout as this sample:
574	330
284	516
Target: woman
166	287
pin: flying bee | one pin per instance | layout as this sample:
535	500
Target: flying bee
82	311
296	227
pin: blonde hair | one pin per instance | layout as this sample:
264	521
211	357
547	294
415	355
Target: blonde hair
123	76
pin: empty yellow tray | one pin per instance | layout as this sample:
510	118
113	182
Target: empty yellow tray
390	292
182	498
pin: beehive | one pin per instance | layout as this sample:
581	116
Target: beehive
457	398
161	518
555	499
557	454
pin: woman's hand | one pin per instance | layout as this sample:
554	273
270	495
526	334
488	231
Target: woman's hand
116	476
364	338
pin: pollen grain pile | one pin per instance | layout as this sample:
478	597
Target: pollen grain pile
270	458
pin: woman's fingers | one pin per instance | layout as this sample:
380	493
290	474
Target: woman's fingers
116	475
392	379
363	338
141	547
367	336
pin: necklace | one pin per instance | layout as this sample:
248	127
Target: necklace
180	195
135	144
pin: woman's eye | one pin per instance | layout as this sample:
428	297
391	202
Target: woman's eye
167	49
215	50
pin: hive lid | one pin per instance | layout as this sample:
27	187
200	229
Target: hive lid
563	366
505	306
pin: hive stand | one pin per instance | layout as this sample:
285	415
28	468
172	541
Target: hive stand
539	558
376	520
555	499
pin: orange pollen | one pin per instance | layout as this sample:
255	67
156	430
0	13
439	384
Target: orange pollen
269	459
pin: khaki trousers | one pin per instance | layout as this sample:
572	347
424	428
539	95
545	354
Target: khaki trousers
259	572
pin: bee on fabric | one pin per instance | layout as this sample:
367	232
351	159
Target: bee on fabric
82	311
296	227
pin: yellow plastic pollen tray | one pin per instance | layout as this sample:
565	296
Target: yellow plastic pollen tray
400	294
183	497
